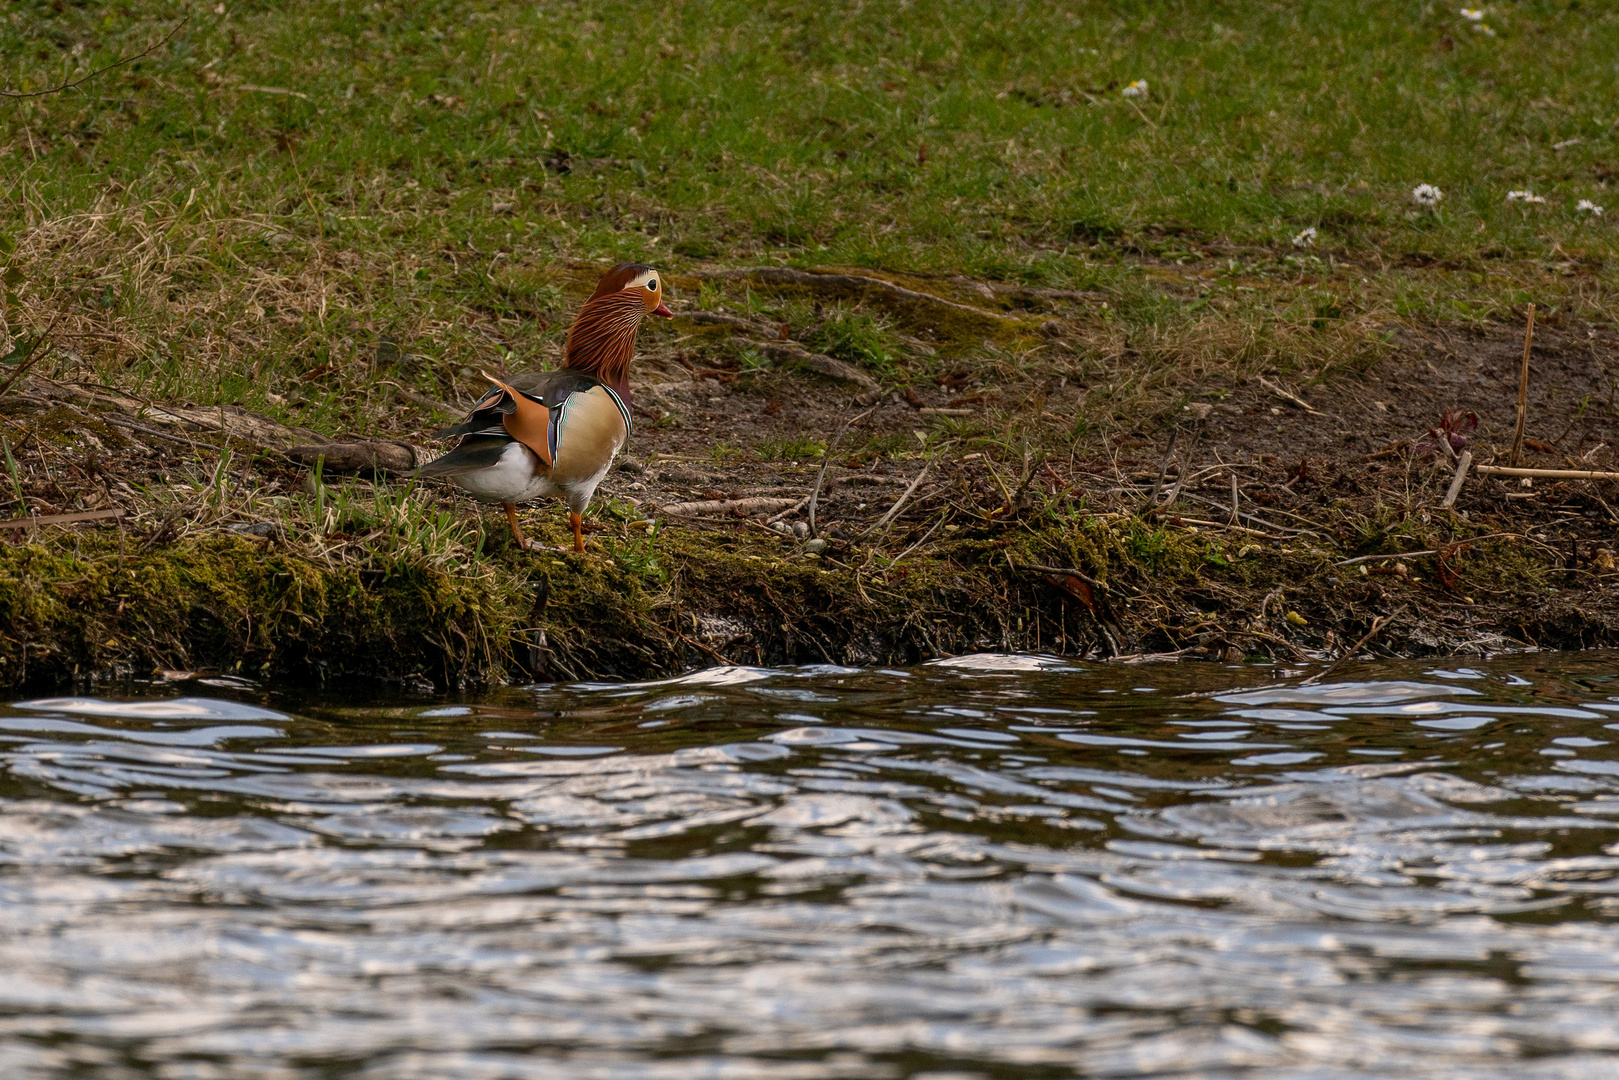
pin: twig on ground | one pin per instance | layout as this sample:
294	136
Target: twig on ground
1349	653
1060	571
162	531
996	475
1546	474
793	509
1150	657
148	51
1227	525
1523	389
36	352
61	519
826	459
1456	481
1286	396
1298	653
1254	520
119	421
1031	465
756	505
893	511
419	399
1163	468
925	537
1396	555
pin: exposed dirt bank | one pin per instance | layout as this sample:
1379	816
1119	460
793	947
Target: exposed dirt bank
1023	534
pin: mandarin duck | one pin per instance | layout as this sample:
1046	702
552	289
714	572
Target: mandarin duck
555	433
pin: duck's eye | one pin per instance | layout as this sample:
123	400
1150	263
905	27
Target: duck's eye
652	286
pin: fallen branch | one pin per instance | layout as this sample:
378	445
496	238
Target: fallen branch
371	455
232	421
925	537
1260	635
819	363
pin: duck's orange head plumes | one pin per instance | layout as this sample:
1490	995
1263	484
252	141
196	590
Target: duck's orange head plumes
601	340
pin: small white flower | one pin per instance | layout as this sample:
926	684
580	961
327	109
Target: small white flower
1525	197
1305	239
1135	89
1484	28
1473	14
1586	206
1426	195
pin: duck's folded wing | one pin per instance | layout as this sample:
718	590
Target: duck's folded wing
528	409
497	403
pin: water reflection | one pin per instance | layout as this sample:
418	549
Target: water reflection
993	866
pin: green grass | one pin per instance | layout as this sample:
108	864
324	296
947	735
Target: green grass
245	213
795	450
856	337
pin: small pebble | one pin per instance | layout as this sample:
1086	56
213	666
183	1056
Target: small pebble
263	530
781	527
815	547
800	529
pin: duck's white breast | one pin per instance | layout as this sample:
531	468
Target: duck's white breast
516	477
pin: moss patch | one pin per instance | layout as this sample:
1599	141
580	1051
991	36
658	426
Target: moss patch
73	608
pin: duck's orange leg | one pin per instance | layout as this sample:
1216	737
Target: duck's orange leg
517	530
578	524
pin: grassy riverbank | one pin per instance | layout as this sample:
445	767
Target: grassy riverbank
332	216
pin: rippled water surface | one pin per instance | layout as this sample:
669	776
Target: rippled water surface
988	867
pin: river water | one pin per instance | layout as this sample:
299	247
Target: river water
992	866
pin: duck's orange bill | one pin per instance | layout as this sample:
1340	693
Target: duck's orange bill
530	424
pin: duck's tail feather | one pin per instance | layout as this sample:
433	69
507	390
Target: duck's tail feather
473	454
